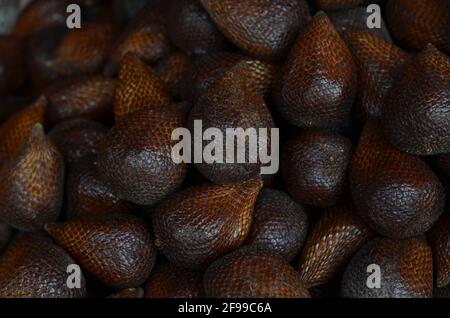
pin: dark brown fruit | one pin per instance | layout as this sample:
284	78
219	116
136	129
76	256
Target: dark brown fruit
191	29
279	224
5	235
440	244
126	10
138	87
406	268
417	111
83	50
135	157
234	102
77	138
32	184
145	36
336	4
443	162
198	225
355	19
378	63
314	167
39	15
34	267
89	96
117	249
12	73
17	128
395	193
171	70
318	83
87	194
263	28
169	281
442	292
336	237
253	273
419	22
128	293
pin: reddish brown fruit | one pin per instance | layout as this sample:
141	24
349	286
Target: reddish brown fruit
318	82
419	22
395	193
406	267
417	111
234	101
77	138
145	36
191	29
138	87
128	293
279	224
378	64
263	28
198	225
39	15
336	4
314	167
83	50
32	184
34	267
172	70
16	129
89	96
12	73
253	273
169	281
117	249
135	158
5	235
440	244
88	194
336	237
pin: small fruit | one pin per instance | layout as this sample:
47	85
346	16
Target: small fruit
279	224
196	226
318	82
171	70
405	266
117	249
34	267
253	273
314	167
32	184
135	158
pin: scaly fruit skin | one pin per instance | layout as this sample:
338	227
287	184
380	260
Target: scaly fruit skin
139	87
172	70
5	235
16	129
191	29
77	138
169	281
336	4
378	63
234	102
417	111
117	249
336	237
279	224
11	64
406	268
395	193
314	167
34	267
440	244
198	225
128	293
87	96
253	273
419	22
32	184
265	29
88	195
39	15
135	158
318	82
